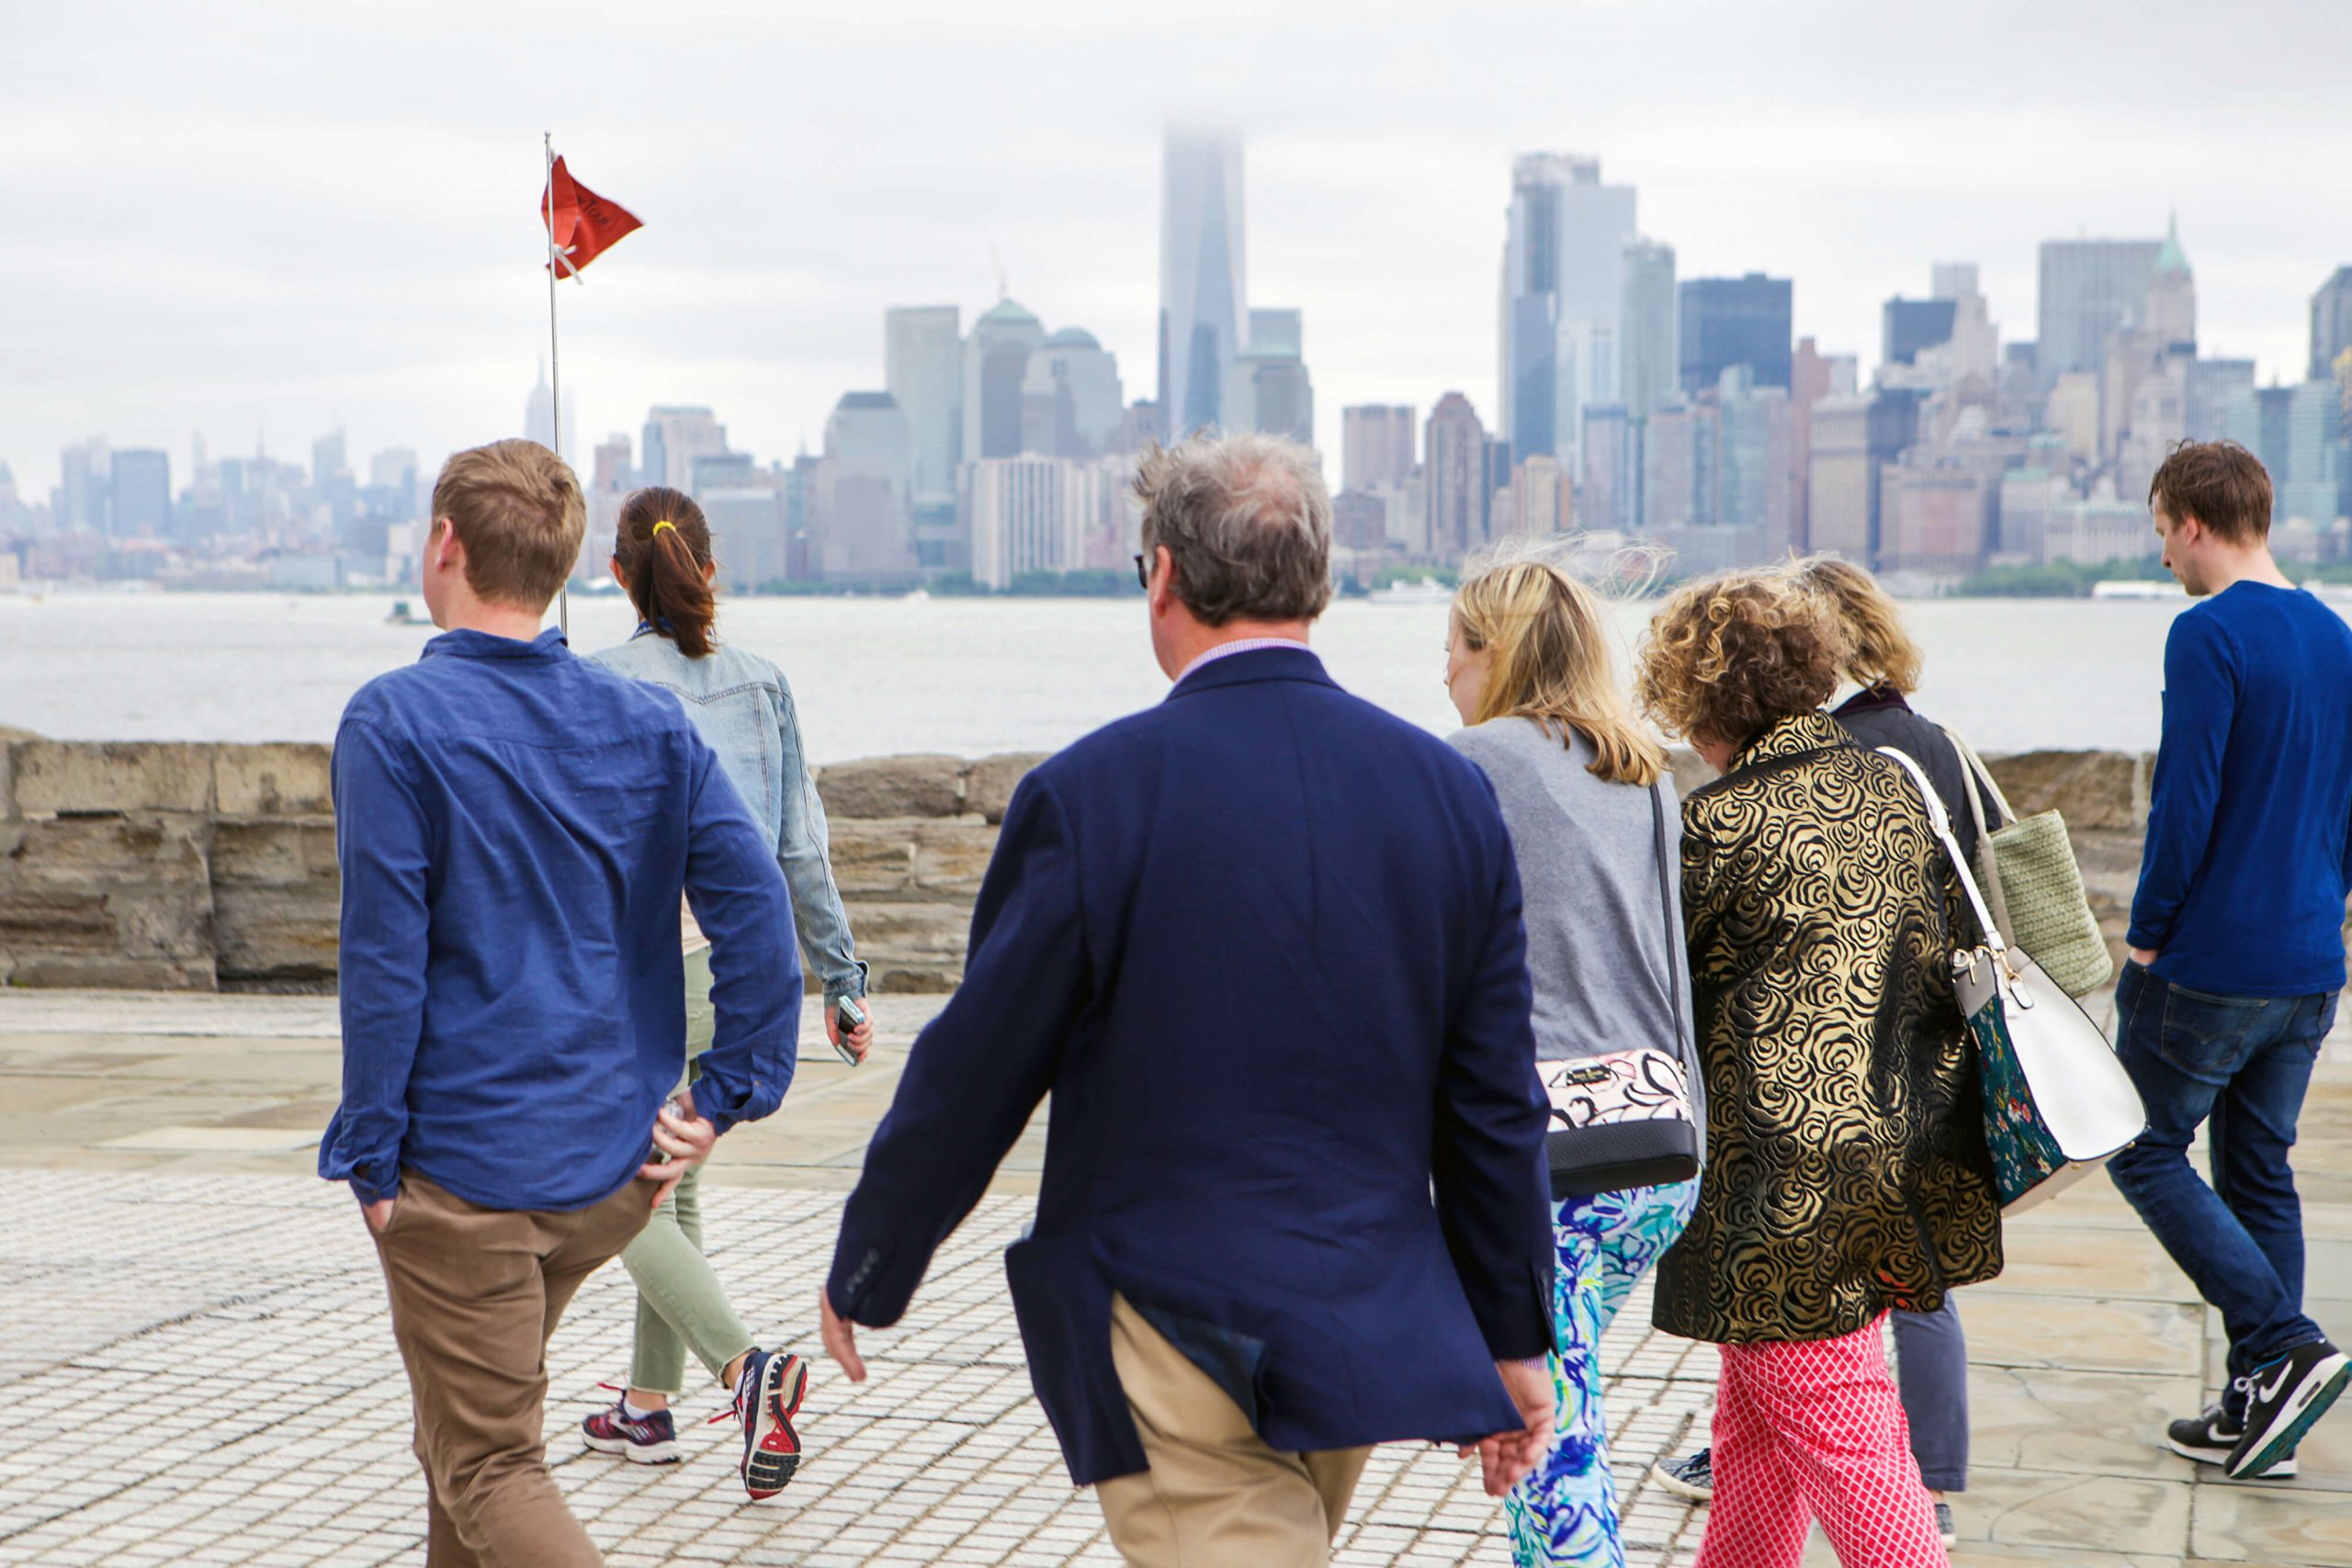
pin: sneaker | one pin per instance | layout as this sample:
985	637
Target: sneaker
2288	1397
767	1398
1945	1527
1691	1479
647	1439
2209	1438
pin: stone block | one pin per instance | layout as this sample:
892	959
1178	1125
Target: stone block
951	857
53	920
279	935
149	877
891	934
923	980
926	786
286	853
60	776
277	899
987	788
2090	789
273	780
102	972
8	778
872	856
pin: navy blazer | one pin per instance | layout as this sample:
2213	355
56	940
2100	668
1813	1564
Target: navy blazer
1262	944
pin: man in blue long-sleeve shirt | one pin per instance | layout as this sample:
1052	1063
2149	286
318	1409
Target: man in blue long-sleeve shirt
516	827
2237	944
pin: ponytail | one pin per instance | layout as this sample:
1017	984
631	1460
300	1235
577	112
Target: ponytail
663	547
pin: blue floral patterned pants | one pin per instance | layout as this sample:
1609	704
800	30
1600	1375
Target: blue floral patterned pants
1566	1514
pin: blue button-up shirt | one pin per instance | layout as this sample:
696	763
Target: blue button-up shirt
514	827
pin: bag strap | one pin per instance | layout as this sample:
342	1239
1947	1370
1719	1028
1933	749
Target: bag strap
1673	934
1941	820
1974	779
1972	763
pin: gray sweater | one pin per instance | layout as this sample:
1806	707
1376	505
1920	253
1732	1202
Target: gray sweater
1588	868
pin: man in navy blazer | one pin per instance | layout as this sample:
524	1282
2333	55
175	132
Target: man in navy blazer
1262	945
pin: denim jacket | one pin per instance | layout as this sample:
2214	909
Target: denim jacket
742	706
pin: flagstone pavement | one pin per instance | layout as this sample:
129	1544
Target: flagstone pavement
197	1369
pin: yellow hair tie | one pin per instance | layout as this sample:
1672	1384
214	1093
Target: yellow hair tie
665	523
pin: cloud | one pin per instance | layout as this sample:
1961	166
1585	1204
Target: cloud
280	217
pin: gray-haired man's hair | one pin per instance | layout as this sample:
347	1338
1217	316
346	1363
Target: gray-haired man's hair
1247	521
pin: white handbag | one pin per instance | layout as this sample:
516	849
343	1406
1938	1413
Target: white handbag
2057	1103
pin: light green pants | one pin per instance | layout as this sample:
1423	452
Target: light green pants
680	1306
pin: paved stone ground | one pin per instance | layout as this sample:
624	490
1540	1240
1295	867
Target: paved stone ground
196	1359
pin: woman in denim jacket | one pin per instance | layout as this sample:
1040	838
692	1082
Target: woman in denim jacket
742	706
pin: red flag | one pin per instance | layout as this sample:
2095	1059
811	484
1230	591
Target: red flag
581	224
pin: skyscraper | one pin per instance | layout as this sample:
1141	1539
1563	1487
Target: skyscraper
1268	390
1647	327
1563	290
2089	288
1736	320
923	366
538	420
996	363
1071	402
862	485
1907	326
1204	293
673	437
1376	447
2331	323
1028	515
1454	473
142	494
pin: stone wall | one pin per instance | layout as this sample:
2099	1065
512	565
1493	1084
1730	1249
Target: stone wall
199	867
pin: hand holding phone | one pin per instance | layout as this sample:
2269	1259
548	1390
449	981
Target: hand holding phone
847	1019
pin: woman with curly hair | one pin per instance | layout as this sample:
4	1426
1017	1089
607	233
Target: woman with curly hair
1847	1170
1593	823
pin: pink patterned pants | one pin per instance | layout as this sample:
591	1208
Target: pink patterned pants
1815	1430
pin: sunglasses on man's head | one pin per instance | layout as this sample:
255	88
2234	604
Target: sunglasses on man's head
1143	574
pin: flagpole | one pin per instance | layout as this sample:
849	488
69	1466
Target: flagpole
555	368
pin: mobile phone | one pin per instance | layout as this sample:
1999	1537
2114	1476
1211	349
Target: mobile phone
661	1154
847	1018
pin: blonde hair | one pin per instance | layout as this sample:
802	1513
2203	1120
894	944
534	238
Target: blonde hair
1879	652
517	509
1550	664
1728	657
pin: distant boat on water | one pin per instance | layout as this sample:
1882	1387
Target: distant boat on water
2135	587
402	615
1422	591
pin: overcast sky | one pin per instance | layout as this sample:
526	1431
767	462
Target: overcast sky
256	219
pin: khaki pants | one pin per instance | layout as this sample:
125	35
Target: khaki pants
1215	1495
476	1292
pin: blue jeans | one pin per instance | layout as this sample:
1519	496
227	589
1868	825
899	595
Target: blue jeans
2239	1063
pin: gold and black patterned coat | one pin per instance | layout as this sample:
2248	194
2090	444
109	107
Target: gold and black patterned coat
1847	1171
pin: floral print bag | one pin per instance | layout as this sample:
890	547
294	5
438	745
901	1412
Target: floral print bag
2057	1103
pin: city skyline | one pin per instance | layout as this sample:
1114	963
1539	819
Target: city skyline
776	237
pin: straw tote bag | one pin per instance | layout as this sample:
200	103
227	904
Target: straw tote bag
2034	886
2057	1103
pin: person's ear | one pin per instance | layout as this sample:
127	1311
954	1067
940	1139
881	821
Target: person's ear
618	576
710	572
449	553
1163	580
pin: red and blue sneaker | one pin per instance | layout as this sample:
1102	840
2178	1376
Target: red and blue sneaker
767	1396
641	1439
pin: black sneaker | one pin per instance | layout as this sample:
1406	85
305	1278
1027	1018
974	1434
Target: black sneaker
1691	1479
2286	1396
2209	1438
1945	1527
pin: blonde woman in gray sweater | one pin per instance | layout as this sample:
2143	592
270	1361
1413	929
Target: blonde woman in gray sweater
1527	667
